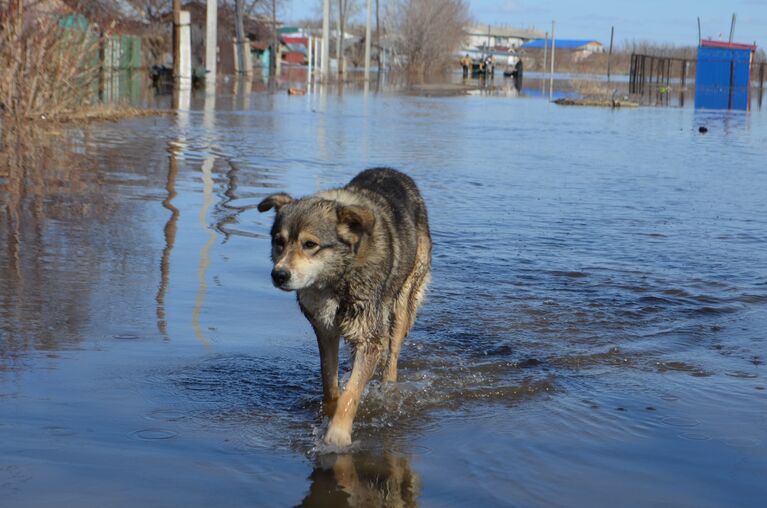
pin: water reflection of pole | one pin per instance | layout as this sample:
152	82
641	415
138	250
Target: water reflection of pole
322	108
207	193
12	296
181	101
202	267
170	240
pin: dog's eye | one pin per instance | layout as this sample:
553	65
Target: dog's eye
279	243
310	244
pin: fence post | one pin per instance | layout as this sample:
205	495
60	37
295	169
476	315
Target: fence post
610	54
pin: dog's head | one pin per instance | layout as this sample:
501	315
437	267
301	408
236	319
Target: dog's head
314	239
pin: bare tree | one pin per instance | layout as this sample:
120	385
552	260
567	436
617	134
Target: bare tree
378	37
429	32
345	10
154	9
151	9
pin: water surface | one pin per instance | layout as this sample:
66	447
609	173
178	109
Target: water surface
594	333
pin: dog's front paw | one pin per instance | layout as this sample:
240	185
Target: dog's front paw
338	437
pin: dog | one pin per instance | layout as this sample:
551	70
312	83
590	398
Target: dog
359	258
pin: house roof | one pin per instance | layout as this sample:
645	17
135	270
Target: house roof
729	45
503	31
561	43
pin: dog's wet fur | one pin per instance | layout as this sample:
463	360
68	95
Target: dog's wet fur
359	258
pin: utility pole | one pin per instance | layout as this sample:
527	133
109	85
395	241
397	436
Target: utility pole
732	27
339	37
378	39
211	39
344	12
176	39
367	41
275	40
553	47
240	35
610	54
699	37
325	51
545	61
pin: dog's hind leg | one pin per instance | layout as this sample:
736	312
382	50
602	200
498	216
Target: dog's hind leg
406	306
340	430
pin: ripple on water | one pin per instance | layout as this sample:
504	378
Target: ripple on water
125	336
680	421
741	374
154	434
741	442
58	431
273	402
168	415
694	436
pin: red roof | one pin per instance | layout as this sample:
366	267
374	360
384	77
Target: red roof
729	45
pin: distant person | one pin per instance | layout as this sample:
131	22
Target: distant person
466	65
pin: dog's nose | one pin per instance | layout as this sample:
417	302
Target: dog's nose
280	277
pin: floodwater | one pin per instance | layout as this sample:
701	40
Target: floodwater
595	333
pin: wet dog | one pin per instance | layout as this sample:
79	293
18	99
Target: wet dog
359	258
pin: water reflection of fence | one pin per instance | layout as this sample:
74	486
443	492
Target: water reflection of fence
650	77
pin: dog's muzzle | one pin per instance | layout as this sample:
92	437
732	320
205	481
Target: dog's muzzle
280	277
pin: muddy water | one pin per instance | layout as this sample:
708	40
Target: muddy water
594	334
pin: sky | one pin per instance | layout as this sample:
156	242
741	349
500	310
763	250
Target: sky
663	21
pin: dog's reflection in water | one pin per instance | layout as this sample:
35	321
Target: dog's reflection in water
362	480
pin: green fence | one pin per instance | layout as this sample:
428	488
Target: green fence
118	57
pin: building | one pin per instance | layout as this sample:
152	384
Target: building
499	38
723	75
257	29
579	49
296	45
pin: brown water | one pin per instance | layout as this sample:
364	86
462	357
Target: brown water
594	334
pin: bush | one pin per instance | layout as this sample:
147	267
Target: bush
48	70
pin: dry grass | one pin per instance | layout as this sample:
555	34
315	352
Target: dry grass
47	70
50	74
596	64
597	102
591	89
103	113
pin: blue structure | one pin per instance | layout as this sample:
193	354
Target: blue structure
723	75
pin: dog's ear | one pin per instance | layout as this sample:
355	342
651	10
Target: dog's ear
353	222
275	201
